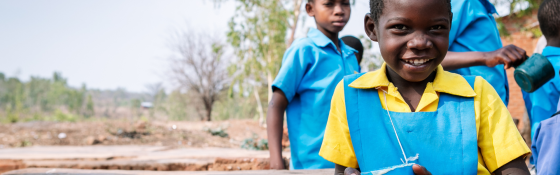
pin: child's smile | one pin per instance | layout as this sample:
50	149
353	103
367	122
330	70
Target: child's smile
417	61
417	64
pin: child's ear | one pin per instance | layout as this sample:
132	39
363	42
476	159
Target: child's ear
309	9
369	25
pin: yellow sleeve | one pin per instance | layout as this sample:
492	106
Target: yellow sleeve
337	145
499	140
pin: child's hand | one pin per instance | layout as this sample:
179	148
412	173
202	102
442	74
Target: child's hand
509	55
420	170
351	171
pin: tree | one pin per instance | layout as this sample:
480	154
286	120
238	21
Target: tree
199	66
258	34
89	111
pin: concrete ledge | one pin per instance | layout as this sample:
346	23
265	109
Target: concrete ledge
41	171
148	158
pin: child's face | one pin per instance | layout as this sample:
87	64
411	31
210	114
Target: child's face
413	36
330	15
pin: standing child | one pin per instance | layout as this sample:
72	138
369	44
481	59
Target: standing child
542	103
412	112
311	67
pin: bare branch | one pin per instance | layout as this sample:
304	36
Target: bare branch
199	66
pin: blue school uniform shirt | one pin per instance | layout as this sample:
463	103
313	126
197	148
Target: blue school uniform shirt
474	29
546	146
311	68
542	103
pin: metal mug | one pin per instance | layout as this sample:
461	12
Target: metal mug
533	73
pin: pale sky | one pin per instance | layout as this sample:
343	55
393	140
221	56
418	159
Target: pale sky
108	44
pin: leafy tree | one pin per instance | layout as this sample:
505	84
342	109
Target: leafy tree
19	100
258	34
90	111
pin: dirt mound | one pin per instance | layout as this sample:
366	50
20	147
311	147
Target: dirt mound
171	134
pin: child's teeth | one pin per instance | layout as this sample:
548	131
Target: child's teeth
417	62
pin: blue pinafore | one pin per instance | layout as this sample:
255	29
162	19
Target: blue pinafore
385	142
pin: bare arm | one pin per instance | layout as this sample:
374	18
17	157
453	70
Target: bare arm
275	122
515	167
457	60
509	55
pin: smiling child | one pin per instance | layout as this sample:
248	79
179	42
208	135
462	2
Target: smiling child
413	113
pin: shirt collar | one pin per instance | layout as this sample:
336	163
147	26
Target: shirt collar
551	51
318	37
322	41
445	82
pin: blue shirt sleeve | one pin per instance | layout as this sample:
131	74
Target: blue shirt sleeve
294	67
546	146
473	27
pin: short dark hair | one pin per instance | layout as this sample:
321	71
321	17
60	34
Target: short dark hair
354	43
376	9
549	18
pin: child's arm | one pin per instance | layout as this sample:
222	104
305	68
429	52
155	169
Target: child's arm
515	167
509	55
275	124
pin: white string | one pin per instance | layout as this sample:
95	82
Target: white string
390	119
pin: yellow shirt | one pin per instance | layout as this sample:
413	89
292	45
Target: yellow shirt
499	141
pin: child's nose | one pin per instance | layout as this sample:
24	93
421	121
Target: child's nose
420	42
338	10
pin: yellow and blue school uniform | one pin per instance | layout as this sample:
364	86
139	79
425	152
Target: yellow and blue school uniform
542	103
474	29
311	68
460	125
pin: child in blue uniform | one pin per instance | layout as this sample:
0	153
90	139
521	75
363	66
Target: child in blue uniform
310	70
411	115
542	103
475	47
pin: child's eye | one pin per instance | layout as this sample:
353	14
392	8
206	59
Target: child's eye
438	27
400	27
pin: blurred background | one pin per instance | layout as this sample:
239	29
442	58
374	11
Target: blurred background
83	60
168	72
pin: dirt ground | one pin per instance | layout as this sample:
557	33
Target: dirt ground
170	134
